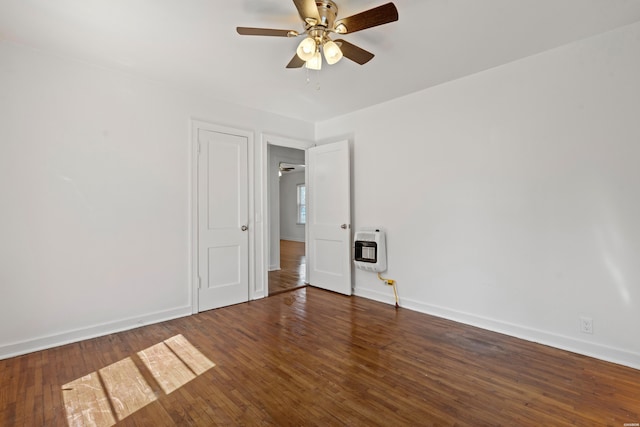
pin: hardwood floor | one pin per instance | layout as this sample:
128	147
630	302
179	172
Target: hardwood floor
311	357
292	274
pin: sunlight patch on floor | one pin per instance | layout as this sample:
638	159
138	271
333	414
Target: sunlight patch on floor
114	392
189	354
87	403
126	387
166	367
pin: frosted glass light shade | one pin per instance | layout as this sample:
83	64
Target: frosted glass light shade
306	49
315	63
332	52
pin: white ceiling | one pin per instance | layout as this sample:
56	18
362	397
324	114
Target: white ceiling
193	44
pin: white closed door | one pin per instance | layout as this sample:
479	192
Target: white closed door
223	242
329	217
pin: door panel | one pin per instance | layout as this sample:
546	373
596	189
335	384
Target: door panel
328	256
224	183
329	217
224	268
223	245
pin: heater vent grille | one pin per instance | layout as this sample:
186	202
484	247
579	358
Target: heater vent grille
367	237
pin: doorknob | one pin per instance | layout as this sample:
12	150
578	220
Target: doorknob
343	226
244	228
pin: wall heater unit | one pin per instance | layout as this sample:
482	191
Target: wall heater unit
370	250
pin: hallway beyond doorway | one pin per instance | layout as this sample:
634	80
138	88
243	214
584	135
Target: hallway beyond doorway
293	265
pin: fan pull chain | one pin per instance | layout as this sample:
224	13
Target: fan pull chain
310	77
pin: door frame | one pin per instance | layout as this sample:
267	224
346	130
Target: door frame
195	126
262	204
273	195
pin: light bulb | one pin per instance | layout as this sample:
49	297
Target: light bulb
306	49
315	63
332	52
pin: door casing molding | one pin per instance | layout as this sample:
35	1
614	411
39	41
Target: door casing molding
262	203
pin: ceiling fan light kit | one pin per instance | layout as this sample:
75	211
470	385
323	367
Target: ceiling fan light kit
319	21
315	63
307	49
332	52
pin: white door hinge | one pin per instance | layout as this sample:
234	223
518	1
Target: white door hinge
199	283
199	148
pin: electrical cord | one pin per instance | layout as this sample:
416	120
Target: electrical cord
392	283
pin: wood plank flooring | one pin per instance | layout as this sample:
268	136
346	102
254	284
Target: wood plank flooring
314	358
292	273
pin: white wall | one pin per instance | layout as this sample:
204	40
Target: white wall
95	189
289	227
511	198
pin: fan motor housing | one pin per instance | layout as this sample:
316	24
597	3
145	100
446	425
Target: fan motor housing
328	11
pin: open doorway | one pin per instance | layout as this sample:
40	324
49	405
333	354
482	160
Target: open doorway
287	224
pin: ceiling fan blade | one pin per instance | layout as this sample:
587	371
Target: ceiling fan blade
295	62
354	53
308	11
370	18
248	31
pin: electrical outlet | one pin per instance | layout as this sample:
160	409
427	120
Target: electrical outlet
586	325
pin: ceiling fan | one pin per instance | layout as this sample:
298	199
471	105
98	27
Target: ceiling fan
319	20
284	167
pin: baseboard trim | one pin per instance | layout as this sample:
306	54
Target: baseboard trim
68	337
597	351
